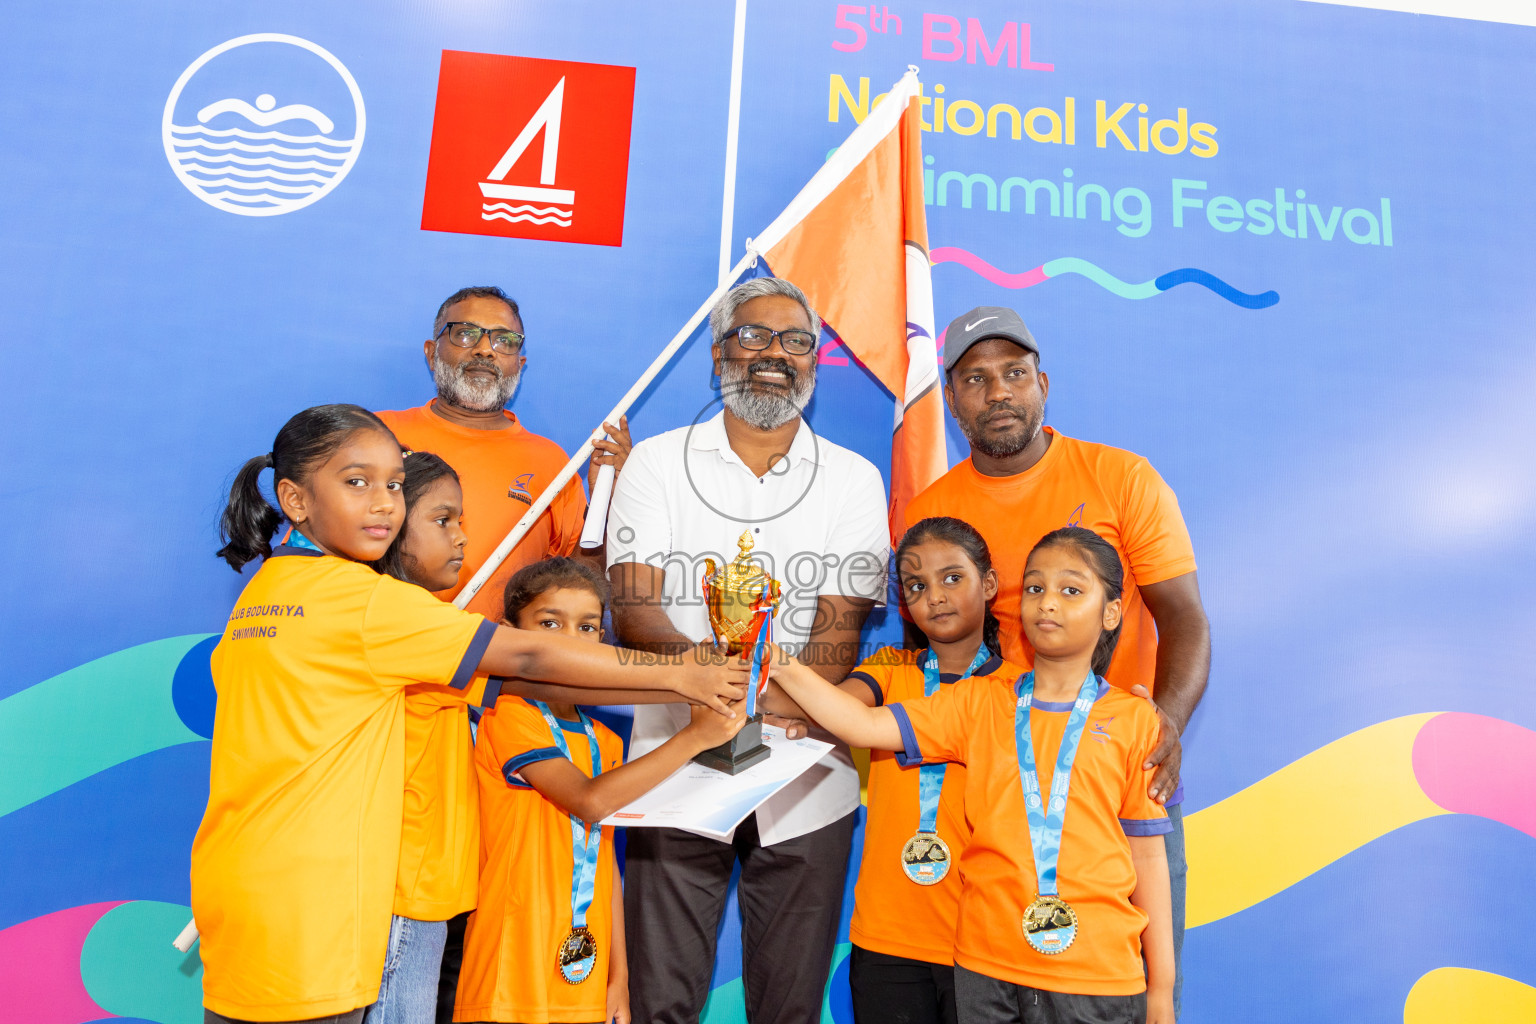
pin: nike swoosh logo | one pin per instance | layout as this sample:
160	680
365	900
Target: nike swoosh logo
978	323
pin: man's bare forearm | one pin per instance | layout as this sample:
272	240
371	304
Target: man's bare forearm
1183	646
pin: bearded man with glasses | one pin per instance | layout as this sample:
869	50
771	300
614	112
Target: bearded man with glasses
476	355
816	515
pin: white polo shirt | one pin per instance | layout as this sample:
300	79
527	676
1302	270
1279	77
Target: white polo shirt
818	524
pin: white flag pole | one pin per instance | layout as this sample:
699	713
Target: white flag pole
572	467
183	942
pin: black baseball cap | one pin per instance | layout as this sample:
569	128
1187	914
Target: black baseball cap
982	323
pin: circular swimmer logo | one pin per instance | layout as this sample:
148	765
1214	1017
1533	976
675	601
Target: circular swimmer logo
263	124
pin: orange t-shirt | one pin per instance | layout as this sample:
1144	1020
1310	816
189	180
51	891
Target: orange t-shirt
524	913
1112	492
1106	802
891	913
294	864
502	472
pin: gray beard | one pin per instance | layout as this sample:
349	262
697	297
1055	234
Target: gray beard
763	409
1007	446
456	388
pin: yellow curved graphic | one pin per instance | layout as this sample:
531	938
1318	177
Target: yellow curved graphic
1305	816
1457	995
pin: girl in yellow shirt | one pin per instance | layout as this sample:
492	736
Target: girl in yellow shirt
294	866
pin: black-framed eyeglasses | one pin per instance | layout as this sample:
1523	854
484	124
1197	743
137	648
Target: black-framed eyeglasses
755	338
467	335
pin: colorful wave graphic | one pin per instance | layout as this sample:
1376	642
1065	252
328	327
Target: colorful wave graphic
97	961
1292	824
114	958
1103	278
143	698
1457	995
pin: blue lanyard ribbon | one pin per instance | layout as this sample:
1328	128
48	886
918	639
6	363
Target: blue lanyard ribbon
295	539
584	842
1045	823
930	777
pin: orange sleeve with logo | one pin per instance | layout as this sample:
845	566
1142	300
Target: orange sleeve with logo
1156	541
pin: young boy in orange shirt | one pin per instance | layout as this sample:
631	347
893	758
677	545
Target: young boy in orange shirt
546	942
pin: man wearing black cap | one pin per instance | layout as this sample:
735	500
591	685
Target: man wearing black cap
1023	480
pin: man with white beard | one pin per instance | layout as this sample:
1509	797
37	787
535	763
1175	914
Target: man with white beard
476	358
816	516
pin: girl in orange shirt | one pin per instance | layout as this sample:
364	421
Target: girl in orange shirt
546	941
294	864
907	901
1064	884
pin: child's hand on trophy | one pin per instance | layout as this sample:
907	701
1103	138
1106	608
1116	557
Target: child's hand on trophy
707	729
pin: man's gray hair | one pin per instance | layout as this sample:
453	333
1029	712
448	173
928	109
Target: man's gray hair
724	313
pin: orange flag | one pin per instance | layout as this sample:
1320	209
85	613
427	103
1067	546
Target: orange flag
856	242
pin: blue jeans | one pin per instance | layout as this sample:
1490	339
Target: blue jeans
408	993
1178	870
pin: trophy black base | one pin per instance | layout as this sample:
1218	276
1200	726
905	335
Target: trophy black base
739	754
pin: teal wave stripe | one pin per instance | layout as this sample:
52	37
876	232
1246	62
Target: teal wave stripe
90	718
1101	277
130	969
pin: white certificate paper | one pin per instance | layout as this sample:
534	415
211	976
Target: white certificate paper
713	803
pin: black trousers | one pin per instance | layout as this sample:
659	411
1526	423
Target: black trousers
984	1000
790	893
899	990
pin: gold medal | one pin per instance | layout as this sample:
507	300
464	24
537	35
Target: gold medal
925	858
1050	925
577	956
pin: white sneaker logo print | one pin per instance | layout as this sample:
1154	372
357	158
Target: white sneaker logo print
978	323
261	159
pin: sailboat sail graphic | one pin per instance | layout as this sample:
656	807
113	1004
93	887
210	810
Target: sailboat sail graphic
522	202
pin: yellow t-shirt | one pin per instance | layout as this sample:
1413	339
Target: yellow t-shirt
440	834
293	867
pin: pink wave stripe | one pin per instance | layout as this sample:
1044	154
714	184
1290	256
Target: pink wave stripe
1473	764
969	260
40	967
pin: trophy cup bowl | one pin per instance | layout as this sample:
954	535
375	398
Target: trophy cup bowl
741	598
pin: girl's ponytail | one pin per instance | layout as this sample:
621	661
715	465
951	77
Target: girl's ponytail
307	440
991	633
249	520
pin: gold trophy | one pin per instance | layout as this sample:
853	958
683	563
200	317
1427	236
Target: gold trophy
741	598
